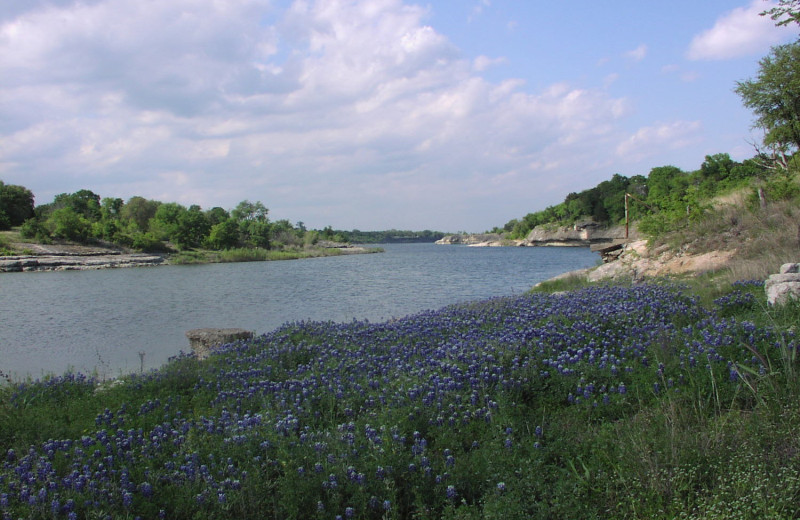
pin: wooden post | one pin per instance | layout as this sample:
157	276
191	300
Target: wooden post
626	215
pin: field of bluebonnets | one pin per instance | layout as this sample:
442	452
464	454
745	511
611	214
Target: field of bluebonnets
605	402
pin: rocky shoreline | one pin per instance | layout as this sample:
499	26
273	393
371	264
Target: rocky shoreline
582	235
77	262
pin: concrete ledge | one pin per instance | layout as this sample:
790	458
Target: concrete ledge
203	341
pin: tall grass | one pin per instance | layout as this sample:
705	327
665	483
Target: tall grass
762	238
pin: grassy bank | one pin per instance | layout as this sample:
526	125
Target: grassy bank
650	401
257	255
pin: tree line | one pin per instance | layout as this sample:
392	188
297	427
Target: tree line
667	194
148	225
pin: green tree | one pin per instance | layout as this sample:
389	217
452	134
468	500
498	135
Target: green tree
138	211
16	205
66	223
216	215
224	235
164	223
85	203
774	97
786	12
254	228
193	228
666	187
108	227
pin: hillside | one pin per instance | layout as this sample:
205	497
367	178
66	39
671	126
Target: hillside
733	240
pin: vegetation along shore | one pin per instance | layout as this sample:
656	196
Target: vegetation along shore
81	230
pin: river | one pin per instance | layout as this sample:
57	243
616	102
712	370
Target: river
115	321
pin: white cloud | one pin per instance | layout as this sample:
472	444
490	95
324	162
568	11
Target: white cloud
478	8
482	62
740	32
637	54
327	111
649	140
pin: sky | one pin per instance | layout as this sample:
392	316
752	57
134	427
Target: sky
448	115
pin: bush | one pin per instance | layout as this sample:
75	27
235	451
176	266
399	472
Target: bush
33	229
65	223
147	242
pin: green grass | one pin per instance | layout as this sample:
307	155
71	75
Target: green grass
562	284
254	255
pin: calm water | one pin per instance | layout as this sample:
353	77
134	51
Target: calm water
101	320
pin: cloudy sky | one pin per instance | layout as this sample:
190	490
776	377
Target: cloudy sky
453	115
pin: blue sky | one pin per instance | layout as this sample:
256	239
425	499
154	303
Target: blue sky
446	115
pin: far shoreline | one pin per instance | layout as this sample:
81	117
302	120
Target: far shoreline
73	257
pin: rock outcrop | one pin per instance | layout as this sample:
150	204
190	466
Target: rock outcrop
203	341
783	286
636	261
70	262
479	240
580	235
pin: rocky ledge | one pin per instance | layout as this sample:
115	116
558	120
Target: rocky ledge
76	261
636	261
580	235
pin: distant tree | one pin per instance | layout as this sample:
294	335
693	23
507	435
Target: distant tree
774	98
254	227
224	235
666	187
65	223
111	207
16	205
138	211
109	225
193	228
85	203
165	222
247	210
216	215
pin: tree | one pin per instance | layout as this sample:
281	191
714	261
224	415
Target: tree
165	222
83	202
774	97
224	235
666	187
216	215
254	227
193	228
68	224
16	205
138	211
786	12
247	210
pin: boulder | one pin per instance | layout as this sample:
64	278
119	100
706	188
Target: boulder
203	341
783	286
